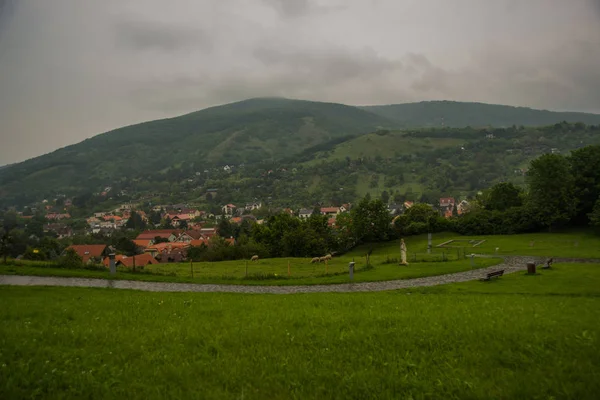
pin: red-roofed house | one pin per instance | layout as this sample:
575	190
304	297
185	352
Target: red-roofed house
90	253
57	216
189	236
140	260
447	202
330	211
159	248
169	234
144	243
408	204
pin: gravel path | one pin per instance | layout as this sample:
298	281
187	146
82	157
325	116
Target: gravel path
510	265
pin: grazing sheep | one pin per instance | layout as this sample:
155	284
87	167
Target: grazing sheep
322	259
328	257
254	258
315	260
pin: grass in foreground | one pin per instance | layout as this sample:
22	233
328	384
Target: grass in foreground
101	343
233	272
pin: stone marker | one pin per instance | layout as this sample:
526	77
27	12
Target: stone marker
113	267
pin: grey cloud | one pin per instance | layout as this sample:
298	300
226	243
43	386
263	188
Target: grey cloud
327	65
72	69
290	8
150	35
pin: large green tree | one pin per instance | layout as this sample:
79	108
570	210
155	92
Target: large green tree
551	190
370	221
502	196
135	222
594	216
585	166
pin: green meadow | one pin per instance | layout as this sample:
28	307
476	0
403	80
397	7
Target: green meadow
383	261
518	337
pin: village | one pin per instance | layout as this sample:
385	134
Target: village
168	231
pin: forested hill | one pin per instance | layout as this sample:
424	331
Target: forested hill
244	132
459	115
158	154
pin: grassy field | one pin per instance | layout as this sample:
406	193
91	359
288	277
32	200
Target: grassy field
384	259
582	244
527	337
266	272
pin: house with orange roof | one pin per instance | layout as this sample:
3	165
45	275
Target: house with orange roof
169	234
57	216
408	204
330	211
143	243
140	260
90	253
159	248
189	236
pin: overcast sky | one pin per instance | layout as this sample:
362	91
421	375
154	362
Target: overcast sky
70	69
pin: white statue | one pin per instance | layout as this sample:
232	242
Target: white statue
403	252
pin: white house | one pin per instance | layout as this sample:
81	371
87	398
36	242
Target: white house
304	213
228	209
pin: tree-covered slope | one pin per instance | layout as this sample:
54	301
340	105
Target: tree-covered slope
161	156
245	132
459	115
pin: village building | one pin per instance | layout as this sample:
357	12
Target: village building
90	253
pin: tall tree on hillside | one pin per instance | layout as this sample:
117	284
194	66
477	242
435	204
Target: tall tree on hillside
6	241
594	216
135	222
385	197
154	218
551	190
502	196
585	166
225	228
370	220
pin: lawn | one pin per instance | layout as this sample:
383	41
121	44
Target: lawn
576	244
266	272
521	336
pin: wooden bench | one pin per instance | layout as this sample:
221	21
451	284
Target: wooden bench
495	274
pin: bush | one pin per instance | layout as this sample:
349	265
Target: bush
70	259
484	222
35	254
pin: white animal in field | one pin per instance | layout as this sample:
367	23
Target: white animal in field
315	260
254	258
328	257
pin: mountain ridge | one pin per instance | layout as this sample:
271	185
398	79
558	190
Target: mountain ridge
266	129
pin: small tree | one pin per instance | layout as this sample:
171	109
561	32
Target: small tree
6	242
70	259
594	216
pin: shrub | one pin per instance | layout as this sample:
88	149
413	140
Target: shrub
70	259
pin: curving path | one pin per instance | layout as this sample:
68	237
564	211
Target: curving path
510	265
